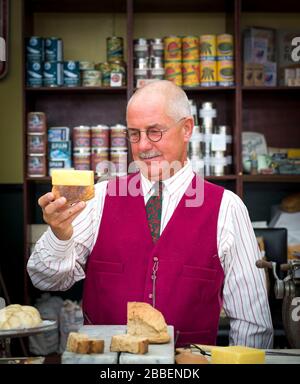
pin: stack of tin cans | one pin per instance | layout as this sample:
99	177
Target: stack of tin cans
82	147
190	61
173	59
148	60
210	145
60	148
36	144
118	150
100	149
45	65
114	70
216	60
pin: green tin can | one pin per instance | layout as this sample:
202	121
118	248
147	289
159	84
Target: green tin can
105	70
114	49
119	67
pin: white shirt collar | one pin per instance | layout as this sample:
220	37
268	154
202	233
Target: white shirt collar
172	184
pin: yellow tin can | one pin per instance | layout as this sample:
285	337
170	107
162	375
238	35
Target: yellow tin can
191	73
190	48
225	47
173	72
208	50
172	48
208	73
225	73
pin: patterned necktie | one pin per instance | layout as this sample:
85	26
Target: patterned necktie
153	208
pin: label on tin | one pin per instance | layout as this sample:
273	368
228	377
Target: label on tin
71	73
36	165
36	122
34	74
53	49
34	49
52	74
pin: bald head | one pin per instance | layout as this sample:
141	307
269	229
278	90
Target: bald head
176	104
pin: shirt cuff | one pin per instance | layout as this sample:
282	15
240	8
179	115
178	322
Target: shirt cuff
58	248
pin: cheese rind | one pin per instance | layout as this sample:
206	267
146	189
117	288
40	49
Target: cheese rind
237	355
72	177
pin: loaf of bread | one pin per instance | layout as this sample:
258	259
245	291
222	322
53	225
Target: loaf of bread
291	203
128	343
17	316
145	321
73	185
81	343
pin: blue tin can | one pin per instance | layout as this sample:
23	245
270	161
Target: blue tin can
53	49
34	74
71	74
34	49
52	74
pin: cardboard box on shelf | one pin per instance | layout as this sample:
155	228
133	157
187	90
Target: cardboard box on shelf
270	74
258	70
248	74
259	45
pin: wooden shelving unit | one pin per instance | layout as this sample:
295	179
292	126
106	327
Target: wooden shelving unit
273	111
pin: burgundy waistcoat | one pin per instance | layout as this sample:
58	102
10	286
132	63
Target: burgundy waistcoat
189	277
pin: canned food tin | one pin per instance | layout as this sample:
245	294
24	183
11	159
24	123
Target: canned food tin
141	63
82	137
34	74
172	48
53	49
190	48
156	62
208	73
208	49
114	49
157	48
141	48
91	78
157	73
100	162
100	136
36	122
52	74
118	162
140	74
36	165
86	65
173	72
119	68
82	161
105	70
71	73
118	136
34	49
191	74
36	143
91	82
225	73
225	47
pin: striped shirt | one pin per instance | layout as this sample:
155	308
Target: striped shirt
57	265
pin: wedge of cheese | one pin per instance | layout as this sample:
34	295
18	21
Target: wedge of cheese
237	355
73	185
72	177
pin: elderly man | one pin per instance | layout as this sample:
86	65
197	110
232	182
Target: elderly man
151	245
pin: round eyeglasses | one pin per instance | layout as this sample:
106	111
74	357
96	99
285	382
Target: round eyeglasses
153	133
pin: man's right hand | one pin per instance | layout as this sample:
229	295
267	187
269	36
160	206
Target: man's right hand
60	215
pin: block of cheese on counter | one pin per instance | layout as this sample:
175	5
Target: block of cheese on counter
237	355
73	185
128	343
